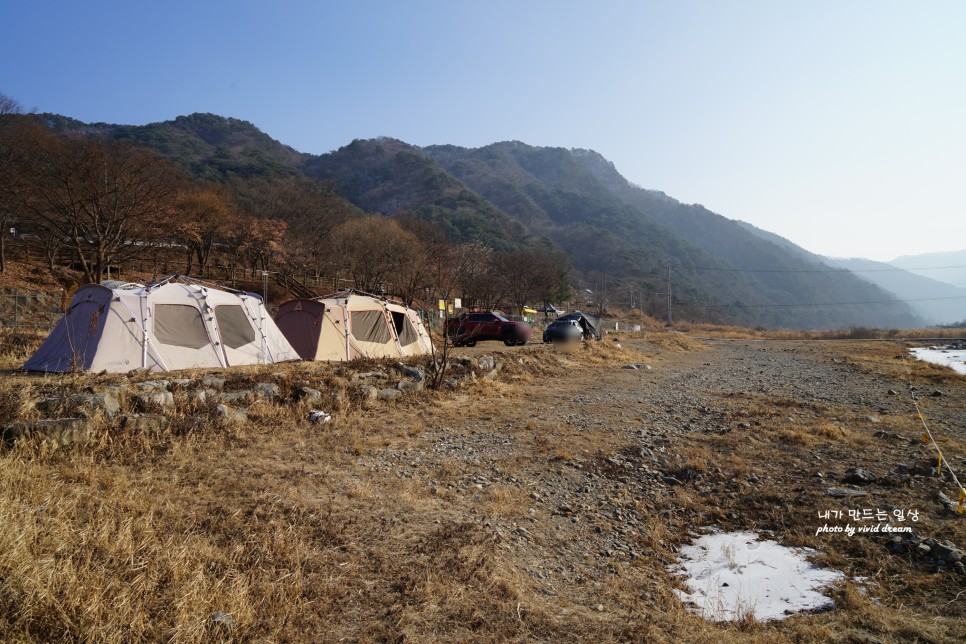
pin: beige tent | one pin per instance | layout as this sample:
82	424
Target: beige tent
352	325
176	323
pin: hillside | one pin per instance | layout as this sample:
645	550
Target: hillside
209	147
573	196
388	177
934	301
953	265
620	238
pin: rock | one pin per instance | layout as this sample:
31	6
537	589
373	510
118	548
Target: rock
153	385
948	503
936	393
222	620
201	396
234	396
106	402
416	373
268	391
158	399
145	423
487	363
408	387
316	416
371	375
858	476
368	392
213	382
889	435
844	492
388	394
947	551
308	394
60	431
182	383
492	373
230	414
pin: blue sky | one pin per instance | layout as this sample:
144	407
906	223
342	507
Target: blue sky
839	125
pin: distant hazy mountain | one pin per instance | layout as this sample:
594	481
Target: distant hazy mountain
618	236
935	302
949	267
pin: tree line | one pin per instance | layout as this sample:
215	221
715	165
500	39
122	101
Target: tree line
97	204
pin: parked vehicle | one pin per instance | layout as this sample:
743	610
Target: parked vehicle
563	331
469	328
573	326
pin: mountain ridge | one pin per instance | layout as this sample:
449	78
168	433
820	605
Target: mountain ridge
621	238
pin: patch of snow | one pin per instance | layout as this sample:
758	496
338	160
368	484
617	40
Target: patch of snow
730	575
953	358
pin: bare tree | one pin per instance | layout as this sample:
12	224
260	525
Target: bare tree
376	252
9	112
311	210
203	216
264	242
104	199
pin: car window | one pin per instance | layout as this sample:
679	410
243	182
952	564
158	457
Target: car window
499	317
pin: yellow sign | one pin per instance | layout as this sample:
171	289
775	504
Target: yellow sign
450	309
442	305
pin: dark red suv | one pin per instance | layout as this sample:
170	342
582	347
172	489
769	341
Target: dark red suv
469	328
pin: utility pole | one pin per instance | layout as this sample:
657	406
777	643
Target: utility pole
670	320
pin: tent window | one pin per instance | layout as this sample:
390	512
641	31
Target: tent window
235	326
404	328
369	326
180	326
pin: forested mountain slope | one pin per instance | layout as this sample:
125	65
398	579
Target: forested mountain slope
620	239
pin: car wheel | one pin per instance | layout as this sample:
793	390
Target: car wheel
469	343
509	342
520	343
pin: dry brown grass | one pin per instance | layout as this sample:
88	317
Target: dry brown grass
854	333
361	529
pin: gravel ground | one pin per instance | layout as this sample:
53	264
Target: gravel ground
602	459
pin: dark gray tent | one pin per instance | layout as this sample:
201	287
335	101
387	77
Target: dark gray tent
588	323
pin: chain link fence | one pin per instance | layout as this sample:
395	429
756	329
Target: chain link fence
30	310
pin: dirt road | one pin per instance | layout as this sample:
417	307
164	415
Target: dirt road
594	474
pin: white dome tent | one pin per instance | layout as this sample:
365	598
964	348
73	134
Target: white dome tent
174	323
